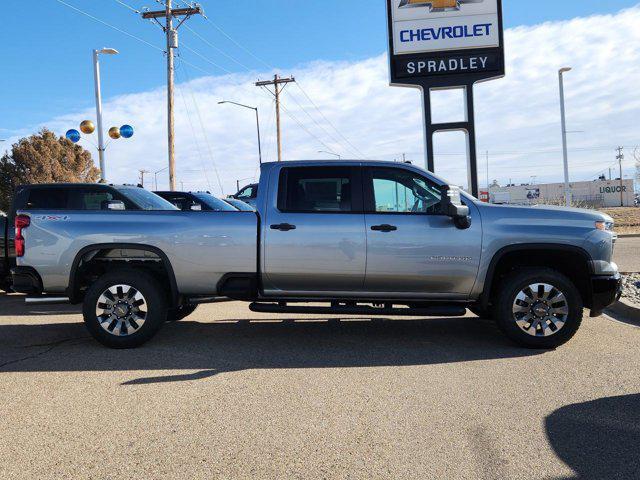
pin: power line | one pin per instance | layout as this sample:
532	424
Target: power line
206	59
206	139
219	50
329	121
109	25
195	137
237	44
128	6
295	119
333	139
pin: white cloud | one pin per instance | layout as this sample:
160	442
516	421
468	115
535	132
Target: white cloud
517	117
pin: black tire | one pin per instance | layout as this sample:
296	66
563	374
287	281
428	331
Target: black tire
180	313
154	301
514	284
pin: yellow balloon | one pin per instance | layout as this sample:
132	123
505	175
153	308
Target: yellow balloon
114	132
87	127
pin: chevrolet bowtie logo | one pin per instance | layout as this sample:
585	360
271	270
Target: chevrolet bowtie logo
437	5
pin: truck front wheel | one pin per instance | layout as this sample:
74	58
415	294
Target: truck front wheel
538	308
124	308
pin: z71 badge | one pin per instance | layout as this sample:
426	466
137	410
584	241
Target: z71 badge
52	218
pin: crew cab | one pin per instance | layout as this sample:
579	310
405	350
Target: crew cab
365	238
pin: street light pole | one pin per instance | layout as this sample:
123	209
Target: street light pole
155	177
255	109
96	77
567	188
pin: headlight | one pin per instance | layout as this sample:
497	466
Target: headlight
604	226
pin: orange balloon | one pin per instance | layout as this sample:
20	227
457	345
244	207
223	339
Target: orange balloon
114	132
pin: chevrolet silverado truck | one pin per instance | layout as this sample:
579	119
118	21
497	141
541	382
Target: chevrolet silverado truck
364	238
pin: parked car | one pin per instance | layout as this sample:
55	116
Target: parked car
197	201
66	197
365	238
248	194
239	205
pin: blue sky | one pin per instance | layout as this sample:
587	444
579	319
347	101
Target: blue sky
47	62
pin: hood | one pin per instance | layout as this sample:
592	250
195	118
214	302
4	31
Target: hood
547	211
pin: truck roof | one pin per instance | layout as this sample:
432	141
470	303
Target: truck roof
71	184
341	162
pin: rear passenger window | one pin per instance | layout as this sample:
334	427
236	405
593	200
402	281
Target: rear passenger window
90	200
322	190
48	199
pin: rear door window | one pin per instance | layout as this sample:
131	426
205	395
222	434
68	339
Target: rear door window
48	199
319	190
91	199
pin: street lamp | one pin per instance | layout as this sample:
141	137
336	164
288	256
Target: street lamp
96	75
257	123
331	153
567	188
155	176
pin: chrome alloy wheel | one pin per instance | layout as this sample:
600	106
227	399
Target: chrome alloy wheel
121	310
541	310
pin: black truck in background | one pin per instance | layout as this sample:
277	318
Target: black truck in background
68	196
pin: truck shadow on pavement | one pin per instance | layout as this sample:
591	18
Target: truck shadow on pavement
193	351
598	439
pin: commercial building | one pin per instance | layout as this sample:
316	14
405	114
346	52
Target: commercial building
598	193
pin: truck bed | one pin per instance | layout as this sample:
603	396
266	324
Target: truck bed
201	246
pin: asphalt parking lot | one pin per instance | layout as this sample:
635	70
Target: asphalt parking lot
233	394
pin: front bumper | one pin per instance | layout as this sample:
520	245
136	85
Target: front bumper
606	291
26	280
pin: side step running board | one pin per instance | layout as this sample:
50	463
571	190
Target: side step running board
433	311
44	300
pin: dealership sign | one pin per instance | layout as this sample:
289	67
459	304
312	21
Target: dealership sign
442	38
443	44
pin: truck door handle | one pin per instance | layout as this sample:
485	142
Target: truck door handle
283	227
384	228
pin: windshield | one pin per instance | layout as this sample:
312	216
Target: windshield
145	199
214	203
240	205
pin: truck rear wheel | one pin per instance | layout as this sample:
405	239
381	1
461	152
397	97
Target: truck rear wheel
538	308
124	308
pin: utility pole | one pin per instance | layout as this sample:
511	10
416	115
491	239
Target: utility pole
142	172
279	85
620	157
172	43
488	184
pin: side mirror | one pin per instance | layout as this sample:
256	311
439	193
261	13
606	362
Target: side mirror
451	206
196	208
113	205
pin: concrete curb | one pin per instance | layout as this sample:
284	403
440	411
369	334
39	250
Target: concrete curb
629	235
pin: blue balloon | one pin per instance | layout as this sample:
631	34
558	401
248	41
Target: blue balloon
126	131
73	135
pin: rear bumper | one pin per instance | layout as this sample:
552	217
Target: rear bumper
26	280
606	291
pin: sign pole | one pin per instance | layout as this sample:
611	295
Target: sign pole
441	45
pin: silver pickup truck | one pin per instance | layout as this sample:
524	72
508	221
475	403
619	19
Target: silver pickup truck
365	238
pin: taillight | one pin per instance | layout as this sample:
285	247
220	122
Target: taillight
22	222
